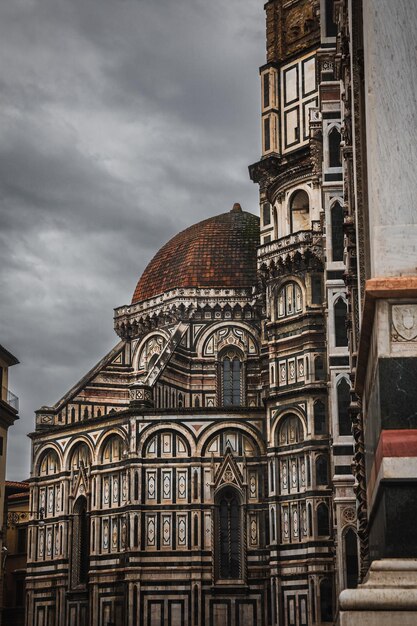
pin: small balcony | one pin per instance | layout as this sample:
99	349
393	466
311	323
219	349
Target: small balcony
302	241
9	397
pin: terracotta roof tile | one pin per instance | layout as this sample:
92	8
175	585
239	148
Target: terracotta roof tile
218	252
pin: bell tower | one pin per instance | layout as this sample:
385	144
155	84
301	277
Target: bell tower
301	265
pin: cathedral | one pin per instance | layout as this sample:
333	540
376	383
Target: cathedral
201	472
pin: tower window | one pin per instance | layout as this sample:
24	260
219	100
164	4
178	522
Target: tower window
267	134
232	374
266	89
331	27
316	289
337	232
229	535
319	418
322	471
326	600
319	370
334	148
323	524
343	401
351	559
340	330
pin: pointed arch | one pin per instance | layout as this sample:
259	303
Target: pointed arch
340	317
334	139
80	543
229	533
323	520
338	243
350	545
343	402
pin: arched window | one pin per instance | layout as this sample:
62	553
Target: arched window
231	379
334	148
319	369
343	402
322	471
351	559
49	464
73	414
291	431
290	300
180	400
113	450
323	522
80	544
340	330
338	243
326	600
80	456
266	213
320	426
229	522
299	211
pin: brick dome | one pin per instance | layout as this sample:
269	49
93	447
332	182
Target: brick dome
217	252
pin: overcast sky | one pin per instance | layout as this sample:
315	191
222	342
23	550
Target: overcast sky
122	122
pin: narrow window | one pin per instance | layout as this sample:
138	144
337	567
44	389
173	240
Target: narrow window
340	330
229	546
331	27
136	531
337	232
334	148
322	471
136	486
80	544
323	524
351	559
326	600
267	134
319	418
195	530
316	289
319	370
231	380
266	89
343	402
195	485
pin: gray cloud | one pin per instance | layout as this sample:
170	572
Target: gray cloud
122	122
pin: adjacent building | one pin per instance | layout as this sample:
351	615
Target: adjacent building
16	518
9	408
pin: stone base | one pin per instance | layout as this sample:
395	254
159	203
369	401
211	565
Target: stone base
387	597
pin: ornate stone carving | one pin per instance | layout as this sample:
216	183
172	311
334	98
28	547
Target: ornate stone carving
404	322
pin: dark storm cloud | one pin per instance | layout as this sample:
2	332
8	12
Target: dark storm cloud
122	122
